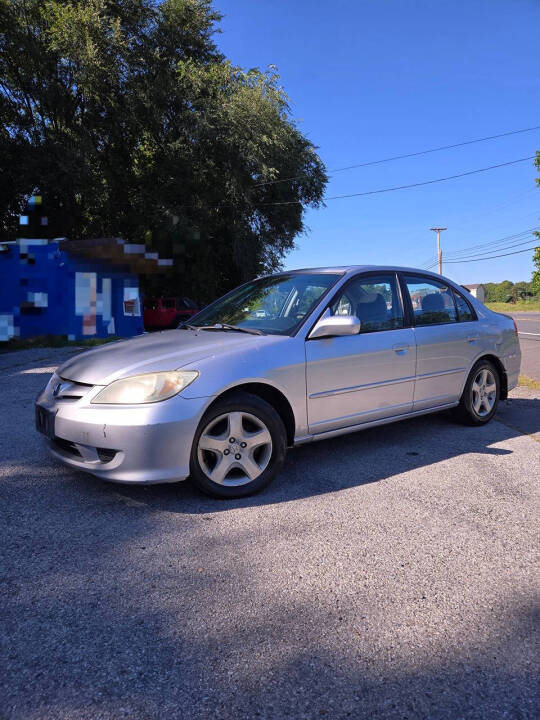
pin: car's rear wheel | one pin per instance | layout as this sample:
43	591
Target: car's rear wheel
480	397
238	448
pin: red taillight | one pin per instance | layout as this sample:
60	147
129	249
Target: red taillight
515	327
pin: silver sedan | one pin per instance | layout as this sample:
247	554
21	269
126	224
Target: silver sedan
282	360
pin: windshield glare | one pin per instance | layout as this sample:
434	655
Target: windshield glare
275	305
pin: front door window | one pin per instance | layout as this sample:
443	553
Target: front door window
374	299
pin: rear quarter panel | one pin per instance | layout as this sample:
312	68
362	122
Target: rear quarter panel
498	337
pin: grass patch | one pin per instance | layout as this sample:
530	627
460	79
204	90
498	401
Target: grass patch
529	382
522	306
54	341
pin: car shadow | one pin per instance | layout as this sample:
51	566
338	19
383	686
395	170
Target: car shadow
361	458
325	466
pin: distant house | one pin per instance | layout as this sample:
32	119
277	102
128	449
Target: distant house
477	290
81	288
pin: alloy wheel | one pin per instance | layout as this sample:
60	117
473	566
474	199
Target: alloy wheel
234	448
484	392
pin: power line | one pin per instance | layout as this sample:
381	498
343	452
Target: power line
399	187
494	249
490	208
407	155
516	252
491	244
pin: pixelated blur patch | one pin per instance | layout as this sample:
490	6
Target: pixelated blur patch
132	304
38	299
86	300
35	200
7	328
106	299
24	220
85	287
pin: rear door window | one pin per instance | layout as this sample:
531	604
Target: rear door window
432	301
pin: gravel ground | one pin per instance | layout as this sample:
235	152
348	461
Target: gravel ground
387	574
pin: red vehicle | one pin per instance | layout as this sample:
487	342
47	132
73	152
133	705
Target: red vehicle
167	312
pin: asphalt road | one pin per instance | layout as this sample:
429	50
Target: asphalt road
388	574
529	340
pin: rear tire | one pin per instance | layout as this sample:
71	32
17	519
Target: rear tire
239	447
481	394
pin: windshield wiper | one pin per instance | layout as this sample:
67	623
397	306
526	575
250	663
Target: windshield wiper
187	326
226	326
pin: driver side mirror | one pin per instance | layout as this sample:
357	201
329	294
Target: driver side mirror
335	326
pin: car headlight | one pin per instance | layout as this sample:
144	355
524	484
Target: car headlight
148	388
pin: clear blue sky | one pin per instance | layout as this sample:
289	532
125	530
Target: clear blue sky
370	79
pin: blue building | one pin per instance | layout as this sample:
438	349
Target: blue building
81	289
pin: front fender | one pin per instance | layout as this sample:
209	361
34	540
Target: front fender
280	366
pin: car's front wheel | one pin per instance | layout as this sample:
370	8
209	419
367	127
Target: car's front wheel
480	397
239	447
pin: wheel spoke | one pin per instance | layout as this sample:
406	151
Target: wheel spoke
236	427
475	387
484	374
213	444
256	439
477	403
250	467
491	388
220	470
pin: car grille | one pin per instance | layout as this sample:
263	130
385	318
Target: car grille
70	390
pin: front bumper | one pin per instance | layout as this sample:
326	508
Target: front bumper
128	444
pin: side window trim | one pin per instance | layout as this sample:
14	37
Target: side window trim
408	314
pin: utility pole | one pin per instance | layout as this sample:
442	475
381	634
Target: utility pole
439	251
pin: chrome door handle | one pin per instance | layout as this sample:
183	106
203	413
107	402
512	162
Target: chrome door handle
400	349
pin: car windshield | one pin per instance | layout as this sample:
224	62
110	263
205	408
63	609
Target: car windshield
275	305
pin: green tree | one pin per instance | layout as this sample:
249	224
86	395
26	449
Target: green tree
535	284
521	290
499	292
127	118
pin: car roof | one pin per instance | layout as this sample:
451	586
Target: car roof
352	269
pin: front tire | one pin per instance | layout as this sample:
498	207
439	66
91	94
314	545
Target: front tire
480	397
239	447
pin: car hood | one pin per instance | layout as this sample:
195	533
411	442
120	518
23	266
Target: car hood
153	352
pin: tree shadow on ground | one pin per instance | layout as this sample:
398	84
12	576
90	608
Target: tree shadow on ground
105	616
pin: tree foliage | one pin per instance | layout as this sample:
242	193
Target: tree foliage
507	291
127	118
